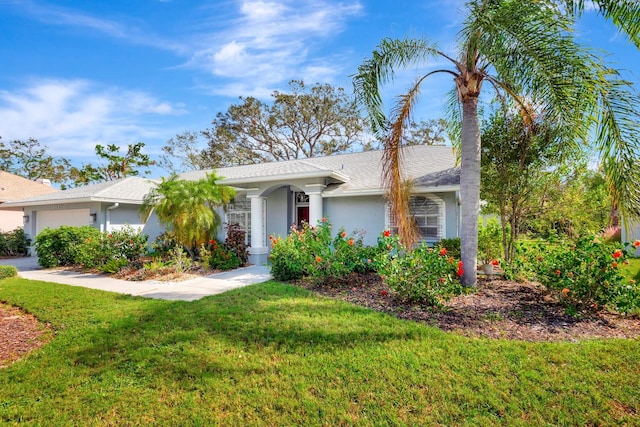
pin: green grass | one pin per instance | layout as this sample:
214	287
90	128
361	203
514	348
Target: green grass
272	354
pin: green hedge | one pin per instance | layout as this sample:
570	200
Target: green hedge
8	271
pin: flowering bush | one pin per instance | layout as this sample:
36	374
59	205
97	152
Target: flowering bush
220	257
586	274
424	275
313	252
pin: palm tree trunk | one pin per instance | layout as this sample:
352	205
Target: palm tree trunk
470	189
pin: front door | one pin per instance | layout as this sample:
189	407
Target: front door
303	215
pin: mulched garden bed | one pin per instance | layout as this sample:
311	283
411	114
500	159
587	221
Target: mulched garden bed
497	309
20	333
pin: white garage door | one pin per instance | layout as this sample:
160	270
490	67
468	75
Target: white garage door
54	219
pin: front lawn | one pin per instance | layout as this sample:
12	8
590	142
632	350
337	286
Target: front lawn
274	354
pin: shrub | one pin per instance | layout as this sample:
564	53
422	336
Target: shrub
14	243
164	243
586	274
61	246
8	271
235	241
452	246
423	275
221	257
314	252
489	241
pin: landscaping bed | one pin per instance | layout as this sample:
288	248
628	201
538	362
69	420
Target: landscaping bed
498	309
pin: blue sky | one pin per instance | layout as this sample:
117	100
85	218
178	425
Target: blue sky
76	73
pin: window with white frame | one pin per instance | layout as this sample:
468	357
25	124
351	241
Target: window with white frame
239	212
428	214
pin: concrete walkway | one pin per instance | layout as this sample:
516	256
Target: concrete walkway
188	290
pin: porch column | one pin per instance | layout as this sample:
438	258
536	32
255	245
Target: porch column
258	252
314	191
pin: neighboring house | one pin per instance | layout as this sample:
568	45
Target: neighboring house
346	189
107	206
630	233
14	187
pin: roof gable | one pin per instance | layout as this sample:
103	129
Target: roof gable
14	187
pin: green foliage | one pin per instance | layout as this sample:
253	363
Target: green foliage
422	275
164	243
114	265
313	252
587	274
489	240
304	122
88	247
221	257
235	241
27	159
452	245
66	245
188	208
8	271
117	165
179	260
14	243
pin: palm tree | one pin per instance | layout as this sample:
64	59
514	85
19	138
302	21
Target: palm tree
525	51
187	207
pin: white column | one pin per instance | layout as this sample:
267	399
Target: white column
314	191
258	252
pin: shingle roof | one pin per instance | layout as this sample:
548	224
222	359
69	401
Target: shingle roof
14	187
354	172
125	190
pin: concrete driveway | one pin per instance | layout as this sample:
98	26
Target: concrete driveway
188	290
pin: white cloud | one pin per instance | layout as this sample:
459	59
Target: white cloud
270	43
71	116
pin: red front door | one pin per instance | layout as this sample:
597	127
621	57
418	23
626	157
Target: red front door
303	215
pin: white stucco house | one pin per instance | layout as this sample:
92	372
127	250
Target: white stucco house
14	187
346	189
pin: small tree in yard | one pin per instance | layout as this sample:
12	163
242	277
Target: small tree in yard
188	208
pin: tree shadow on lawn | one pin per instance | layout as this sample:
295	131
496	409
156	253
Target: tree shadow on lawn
185	339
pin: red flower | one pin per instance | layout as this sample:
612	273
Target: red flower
495	262
614	264
211	242
387	233
350	242
565	291
442	280
460	271
343	234
617	253
558	272
318	259
383	293
460	264
443	251
388	246
636	243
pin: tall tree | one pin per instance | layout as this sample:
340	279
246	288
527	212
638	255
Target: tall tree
524	51
188	207
304	122
186	152
29	160
517	153
117	165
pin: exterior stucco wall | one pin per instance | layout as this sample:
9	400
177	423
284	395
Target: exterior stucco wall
365	213
10	219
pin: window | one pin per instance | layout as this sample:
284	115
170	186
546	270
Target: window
428	214
239	212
